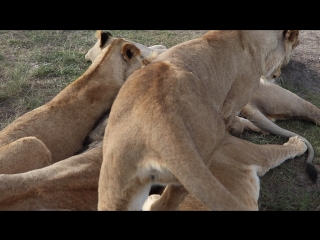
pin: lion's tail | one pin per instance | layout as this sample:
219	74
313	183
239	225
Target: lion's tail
265	124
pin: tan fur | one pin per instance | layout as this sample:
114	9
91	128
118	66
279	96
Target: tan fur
46	200
261	97
51	199
277	103
100	44
70	184
63	123
270	103
154	135
13	156
237	164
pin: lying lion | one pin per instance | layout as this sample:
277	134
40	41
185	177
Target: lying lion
63	123
237	164
72	184
270	102
170	116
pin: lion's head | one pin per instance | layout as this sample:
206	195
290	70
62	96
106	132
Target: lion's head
280	57
292	44
104	39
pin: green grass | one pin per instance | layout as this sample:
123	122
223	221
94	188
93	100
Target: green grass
36	65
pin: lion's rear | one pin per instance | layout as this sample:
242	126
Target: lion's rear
153	128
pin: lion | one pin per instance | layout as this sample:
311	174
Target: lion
63	123
104	38
72	184
237	164
37	203
38	187
266	126
170	116
271	103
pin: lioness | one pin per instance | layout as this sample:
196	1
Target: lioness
72	184
63	123
170	116
237	164
270	103
249	112
24	154
104	38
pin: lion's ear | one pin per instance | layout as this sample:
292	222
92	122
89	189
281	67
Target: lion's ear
129	51
104	36
146	61
98	34
292	36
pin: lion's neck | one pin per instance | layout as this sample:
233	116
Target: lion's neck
94	87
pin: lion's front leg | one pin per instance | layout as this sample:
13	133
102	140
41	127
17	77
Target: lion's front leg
276	155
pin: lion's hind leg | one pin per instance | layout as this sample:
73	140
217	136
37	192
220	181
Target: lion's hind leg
24	154
70	184
122	184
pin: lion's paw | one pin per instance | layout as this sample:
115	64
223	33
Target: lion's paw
298	143
150	200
